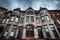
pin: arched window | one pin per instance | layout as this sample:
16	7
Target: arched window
29	31
29	13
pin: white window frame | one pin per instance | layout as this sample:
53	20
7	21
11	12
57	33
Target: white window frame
16	20
5	34
12	18
3	20
47	17
7	20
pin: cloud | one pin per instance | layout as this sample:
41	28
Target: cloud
35	4
50	5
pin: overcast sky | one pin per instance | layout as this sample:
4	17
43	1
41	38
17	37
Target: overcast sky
35	4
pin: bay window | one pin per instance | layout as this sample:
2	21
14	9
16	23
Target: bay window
53	29
47	31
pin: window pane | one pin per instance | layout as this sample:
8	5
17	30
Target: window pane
12	18
43	19
37	20
5	34
47	17
32	19
53	29
40	34
7	20
22	20
3	20
16	20
29	31
29	13
27	19
12	33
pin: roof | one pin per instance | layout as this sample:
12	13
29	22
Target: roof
3	8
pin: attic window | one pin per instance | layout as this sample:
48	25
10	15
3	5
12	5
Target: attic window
29	13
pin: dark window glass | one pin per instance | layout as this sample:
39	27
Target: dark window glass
20	32
54	31
37	20
47	31
32	19
29	13
29	31
40	33
27	19
22	20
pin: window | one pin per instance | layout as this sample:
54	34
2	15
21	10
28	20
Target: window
29	13
32	19
43	19
20	32
47	17
1	12
12	18
13	31
37	14
40	33
7	20
16	20
37	20
3	20
44	11
29	31
58	21
6	31
54	31
22	20
27	19
47	30
22	14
